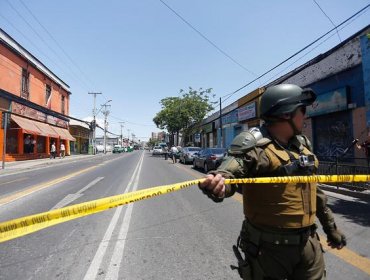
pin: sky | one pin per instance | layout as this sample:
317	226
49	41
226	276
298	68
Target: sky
138	52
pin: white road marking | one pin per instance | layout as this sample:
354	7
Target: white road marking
99	255
115	262
72	197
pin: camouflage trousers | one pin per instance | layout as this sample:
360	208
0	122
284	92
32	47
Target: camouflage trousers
282	255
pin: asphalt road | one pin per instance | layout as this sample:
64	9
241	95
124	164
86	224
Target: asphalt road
180	235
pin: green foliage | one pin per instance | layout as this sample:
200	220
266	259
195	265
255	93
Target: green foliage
152	142
185	112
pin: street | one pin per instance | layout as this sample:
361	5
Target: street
180	235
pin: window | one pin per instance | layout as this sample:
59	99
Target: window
25	84
48	96
63	105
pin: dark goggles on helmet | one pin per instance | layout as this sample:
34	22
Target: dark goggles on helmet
306	98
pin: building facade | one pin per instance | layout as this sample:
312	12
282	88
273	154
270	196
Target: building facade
341	79
34	105
81	132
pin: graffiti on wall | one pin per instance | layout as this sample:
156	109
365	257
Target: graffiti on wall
333	134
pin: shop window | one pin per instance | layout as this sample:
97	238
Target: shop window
25	84
48	96
63	105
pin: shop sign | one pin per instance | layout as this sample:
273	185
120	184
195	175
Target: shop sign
247	112
231	117
329	102
31	113
197	137
28	112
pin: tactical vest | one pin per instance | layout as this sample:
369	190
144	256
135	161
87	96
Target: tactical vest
291	205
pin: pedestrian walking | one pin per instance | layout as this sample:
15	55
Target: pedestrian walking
53	150
165	152
174	151
278	236
62	150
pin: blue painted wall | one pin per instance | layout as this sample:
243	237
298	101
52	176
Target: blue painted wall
352	78
365	50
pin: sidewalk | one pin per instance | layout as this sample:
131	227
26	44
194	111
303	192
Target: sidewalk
17	166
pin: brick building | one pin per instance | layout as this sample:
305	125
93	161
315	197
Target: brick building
35	103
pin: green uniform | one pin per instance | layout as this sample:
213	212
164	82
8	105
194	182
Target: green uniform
279	233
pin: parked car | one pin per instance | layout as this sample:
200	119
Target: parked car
157	151
208	158
187	153
118	149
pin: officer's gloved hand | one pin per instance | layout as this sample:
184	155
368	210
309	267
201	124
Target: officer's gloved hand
335	238
213	186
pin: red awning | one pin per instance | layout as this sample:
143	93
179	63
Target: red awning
46	130
28	126
63	133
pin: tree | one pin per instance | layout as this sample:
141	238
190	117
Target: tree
184	113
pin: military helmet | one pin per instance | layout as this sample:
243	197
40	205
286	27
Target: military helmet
284	99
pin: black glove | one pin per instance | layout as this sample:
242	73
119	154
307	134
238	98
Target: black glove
335	238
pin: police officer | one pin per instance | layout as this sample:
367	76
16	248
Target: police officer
278	236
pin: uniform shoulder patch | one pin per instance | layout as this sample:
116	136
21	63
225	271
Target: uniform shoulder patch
247	140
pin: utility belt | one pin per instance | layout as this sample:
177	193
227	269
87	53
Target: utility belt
249	243
294	237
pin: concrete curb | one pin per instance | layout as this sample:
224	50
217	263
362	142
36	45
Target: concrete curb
26	165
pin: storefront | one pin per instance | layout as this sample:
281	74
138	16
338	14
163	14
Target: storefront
81	132
28	138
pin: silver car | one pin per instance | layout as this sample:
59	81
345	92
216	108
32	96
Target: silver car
209	158
157	151
187	154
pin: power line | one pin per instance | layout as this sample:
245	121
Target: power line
45	43
132	123
56	42
340	39
298	52
208	40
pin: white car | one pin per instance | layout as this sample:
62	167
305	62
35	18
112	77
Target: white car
157	151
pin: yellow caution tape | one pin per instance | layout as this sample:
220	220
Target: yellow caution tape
29	224
302	179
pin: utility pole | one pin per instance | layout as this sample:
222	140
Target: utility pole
105	113
94	122
128	135
122	124
222	138
5	119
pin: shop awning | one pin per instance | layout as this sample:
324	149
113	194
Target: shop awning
44	129
47	130
64	133
27	125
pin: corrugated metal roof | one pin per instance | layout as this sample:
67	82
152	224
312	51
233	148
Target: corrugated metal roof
78	123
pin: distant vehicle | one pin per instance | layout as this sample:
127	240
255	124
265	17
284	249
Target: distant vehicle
118	149
208	158
187	153
157	151
99	148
